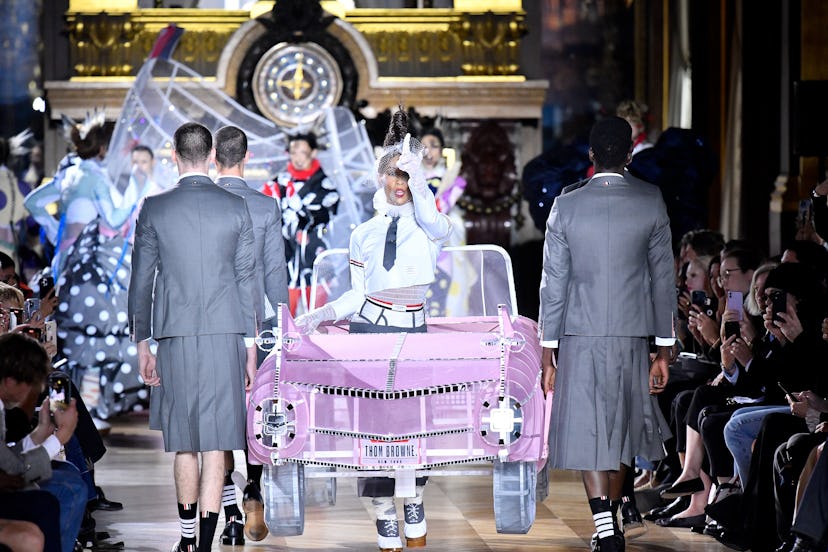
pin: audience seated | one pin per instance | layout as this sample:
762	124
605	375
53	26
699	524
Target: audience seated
24	365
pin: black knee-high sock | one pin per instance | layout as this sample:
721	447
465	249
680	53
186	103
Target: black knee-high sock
605	525
207	531
228	499
254	473
187	520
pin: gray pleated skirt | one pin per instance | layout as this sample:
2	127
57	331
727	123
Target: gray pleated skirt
200	404
602	412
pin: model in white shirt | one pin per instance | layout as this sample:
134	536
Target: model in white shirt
391	300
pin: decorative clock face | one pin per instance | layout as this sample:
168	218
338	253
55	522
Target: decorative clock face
292	83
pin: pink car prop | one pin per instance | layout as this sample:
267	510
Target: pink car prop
331	404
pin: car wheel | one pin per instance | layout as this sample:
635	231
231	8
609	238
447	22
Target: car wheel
284	495
319	491
514	496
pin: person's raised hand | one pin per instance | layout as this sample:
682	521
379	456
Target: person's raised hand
45	427
410	161
66	420
49	303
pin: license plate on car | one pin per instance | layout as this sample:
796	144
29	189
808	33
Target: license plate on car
373	452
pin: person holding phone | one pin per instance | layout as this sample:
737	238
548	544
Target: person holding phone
23	367
796	344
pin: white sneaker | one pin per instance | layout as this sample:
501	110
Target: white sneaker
388	535
415	525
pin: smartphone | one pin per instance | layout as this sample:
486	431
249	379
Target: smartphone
805	214
779	303
706	304
787	393
46	285
60	390
15	317
30	307
731	328
735	302
50	332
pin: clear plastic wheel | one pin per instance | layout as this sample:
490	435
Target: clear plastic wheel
283	492
514	485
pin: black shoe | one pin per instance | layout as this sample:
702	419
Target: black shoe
787	544
101	503
803	544
713	529
233	534
685	522
728	511
631	522
595	544
685	488
733	539
678	505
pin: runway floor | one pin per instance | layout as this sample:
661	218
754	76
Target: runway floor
138	473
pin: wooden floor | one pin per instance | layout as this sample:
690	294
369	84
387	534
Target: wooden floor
137	472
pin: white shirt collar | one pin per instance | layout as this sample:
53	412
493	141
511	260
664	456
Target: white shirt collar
185	175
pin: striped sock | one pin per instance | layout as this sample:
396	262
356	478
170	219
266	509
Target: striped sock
602	516
187	520
228	499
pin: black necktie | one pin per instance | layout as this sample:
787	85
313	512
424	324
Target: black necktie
390	254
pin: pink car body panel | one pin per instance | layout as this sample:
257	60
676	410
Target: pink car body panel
468	390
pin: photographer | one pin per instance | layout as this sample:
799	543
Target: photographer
24	366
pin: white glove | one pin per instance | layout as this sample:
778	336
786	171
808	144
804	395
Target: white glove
308	322
412	163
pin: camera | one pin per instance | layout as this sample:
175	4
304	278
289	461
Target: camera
779	303
46	284
60	390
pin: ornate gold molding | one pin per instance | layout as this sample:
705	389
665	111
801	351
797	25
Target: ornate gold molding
406	43
116	44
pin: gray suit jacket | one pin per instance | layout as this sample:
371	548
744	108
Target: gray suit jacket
193	264
271	272
608	262
34	465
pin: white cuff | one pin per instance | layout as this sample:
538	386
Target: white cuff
552	344
249	342
665	341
